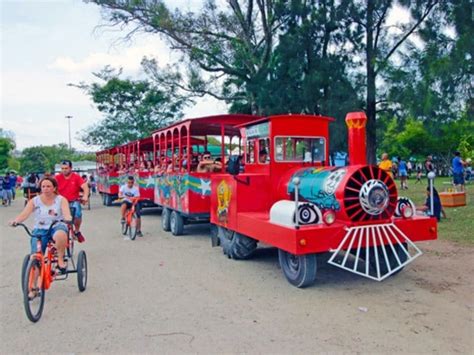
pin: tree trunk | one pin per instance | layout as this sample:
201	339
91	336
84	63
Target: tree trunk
371	88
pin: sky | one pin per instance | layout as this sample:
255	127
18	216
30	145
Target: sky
46	44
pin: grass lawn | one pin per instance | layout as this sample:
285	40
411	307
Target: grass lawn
459	226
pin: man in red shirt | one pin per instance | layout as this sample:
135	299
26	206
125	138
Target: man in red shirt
69	186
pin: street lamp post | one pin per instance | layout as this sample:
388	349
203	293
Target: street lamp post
69	128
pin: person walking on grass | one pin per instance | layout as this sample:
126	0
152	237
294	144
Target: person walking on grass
403	173
418	175
386	164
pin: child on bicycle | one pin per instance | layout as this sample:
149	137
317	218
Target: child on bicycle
48	207
126	192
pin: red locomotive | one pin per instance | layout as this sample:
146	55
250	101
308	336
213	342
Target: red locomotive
289	198
274	185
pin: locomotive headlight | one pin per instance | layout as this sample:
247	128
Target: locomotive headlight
329	217
374	197
407	211
405	207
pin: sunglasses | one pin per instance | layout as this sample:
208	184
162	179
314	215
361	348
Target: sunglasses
207	157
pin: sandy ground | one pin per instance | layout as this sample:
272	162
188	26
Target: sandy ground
166	294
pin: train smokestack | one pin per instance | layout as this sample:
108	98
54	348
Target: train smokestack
356	122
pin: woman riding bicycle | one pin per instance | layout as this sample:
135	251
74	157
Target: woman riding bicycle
48	207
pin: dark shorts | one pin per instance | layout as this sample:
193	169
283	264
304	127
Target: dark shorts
45	236
458	179
138	207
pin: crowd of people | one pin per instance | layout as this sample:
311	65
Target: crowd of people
199	162
8	185
461	171
403	169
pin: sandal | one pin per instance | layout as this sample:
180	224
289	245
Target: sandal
62	270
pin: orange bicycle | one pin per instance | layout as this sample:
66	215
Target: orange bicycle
130	224
40	270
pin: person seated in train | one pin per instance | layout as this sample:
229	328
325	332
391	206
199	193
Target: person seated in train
217	164
169	165
162	166
149	166
194	161
122	169
177	164
207	164
134	168
142	166
263	156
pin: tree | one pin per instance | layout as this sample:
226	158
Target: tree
34	159
433	82
132	109
7	145
260	56
232	45
380	45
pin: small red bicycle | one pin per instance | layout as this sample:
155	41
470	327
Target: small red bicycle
130	224
40	270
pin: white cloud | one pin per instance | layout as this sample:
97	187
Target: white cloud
129	59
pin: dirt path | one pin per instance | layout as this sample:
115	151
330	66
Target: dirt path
177	294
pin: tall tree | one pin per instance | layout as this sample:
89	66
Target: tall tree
132	109
232	45
433	82
260	56
380	46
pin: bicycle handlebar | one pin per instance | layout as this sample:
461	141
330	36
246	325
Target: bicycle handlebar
27	230
133	199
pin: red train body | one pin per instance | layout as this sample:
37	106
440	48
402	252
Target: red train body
278	189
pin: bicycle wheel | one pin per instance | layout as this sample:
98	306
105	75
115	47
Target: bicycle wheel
34	292
23	270
81	271
132	231
124	227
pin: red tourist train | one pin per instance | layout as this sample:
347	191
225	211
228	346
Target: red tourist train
269	181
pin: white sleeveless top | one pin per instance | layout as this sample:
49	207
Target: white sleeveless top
46	215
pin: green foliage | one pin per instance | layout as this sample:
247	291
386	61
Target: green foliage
14	164
34	159
466	146
132	109
44	158
6	147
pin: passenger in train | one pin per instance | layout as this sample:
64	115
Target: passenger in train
149	166
131	168
122	169
263	156
169	165
207	164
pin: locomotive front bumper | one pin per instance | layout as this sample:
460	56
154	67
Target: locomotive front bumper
322	238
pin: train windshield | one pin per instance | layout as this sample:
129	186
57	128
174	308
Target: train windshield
300	149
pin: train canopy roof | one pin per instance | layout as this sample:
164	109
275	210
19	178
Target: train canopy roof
210	125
